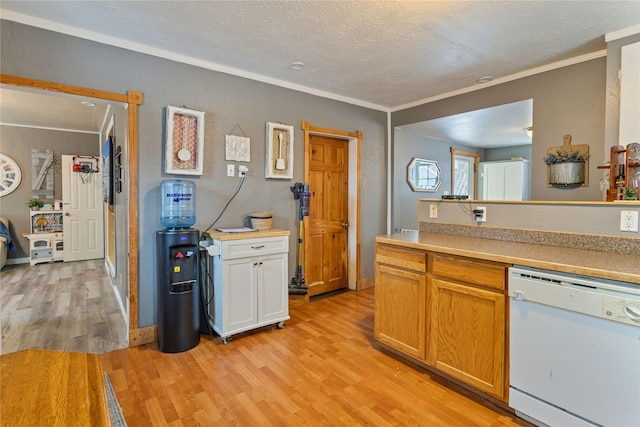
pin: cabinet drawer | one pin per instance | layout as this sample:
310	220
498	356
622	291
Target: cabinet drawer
484	273
254	247
41	253
401	257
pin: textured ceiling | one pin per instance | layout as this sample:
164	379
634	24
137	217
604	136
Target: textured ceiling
382	54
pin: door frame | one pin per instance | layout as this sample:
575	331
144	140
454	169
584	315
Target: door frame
132	99
354	140
476	160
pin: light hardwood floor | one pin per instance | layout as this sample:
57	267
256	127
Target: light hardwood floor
323	369
60	306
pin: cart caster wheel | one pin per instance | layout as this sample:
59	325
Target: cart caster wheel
280	325
225	340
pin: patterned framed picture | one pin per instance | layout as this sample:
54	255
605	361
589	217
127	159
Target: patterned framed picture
184	141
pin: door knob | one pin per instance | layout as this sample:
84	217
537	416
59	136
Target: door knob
67	214
345	225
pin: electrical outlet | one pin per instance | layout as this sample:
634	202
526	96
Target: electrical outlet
242	170
231	171
629	221
433	211
480	214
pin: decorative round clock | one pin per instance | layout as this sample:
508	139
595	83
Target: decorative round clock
10	175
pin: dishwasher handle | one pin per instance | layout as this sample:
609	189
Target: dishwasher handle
632	311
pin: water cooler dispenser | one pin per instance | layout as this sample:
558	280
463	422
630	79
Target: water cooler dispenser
177	250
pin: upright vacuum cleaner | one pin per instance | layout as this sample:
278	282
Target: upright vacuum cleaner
301	193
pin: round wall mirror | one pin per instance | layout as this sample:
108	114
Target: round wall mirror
423	175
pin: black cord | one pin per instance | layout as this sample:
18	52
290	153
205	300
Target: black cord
237	190
206	279
464	208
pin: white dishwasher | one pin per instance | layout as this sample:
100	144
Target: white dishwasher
574	349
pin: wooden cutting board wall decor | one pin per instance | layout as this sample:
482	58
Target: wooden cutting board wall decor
568	151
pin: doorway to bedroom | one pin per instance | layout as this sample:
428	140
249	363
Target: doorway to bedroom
71	306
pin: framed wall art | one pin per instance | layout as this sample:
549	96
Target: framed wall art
10	175
185	141
107	171
279	154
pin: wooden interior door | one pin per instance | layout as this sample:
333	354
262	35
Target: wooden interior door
326	227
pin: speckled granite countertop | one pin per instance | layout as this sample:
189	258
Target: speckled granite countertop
608	265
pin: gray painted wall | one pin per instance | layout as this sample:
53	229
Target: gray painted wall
570	100
227	101
408	146
405	201
17	143
507	153
598	218
121	202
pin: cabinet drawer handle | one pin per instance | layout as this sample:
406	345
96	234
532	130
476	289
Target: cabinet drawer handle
257	247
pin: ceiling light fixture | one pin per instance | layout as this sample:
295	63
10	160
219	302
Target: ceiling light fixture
529	131
297	65
88	104
485	79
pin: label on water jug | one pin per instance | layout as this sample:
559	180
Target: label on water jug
179	197
178	203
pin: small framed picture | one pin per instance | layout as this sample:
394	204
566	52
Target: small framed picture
279	154
185	141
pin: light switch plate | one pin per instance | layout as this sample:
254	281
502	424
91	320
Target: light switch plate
231	171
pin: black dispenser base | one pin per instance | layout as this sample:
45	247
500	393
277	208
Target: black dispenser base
178	289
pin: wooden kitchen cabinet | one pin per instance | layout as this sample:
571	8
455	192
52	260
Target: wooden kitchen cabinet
444	311
467	339
400	307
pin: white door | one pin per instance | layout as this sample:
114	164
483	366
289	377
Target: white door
82	214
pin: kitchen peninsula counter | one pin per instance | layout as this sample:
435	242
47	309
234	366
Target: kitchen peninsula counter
607	265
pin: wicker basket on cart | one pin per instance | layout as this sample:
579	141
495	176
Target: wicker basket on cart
261	220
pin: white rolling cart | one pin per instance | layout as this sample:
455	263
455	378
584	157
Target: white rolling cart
250	281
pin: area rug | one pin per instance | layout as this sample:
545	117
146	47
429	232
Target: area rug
115	412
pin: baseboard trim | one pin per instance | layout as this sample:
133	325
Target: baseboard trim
367	283
142	336
12	261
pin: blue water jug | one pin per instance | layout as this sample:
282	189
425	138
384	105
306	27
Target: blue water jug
178	203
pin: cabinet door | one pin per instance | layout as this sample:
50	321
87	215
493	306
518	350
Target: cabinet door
493	181
513	181
239	294
400	310
504	181
273	299
467	337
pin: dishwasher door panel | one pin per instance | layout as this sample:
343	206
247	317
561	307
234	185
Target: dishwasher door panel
585	365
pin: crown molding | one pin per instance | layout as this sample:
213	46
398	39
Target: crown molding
512	77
